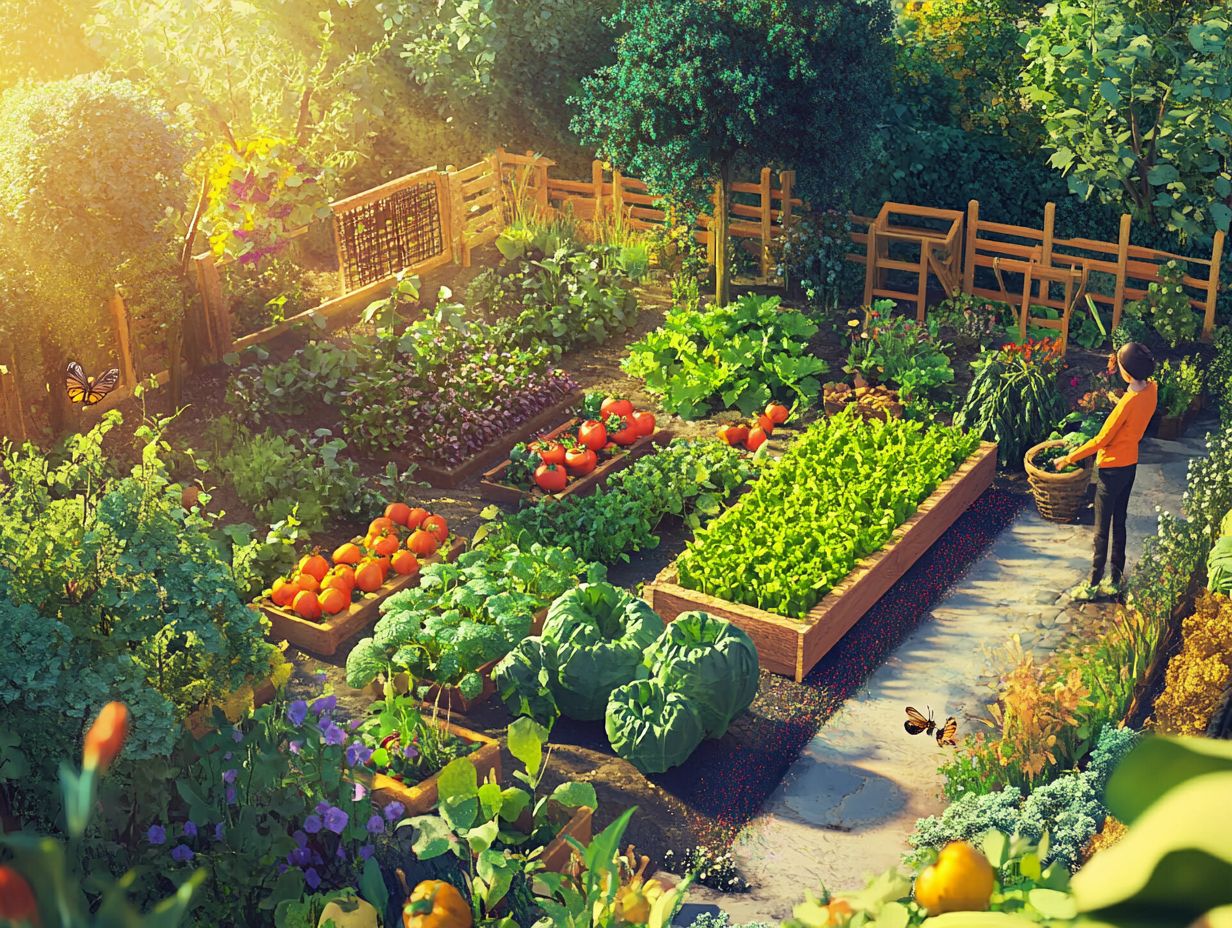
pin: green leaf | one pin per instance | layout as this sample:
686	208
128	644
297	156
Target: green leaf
458	780
432	836
1108	91
483	837
1157	765
576	795
526	738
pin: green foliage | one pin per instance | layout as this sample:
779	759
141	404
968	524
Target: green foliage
126	598
264	294
1219	567
743	355
834	497
406	744
1179	385
1219	373
1132	98
1166	307
898	352
1013	401
813	260
44	41
689	480
652	726
467	613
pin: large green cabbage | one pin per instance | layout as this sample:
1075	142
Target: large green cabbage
652	728
599	634
1219	567
524	680
711	662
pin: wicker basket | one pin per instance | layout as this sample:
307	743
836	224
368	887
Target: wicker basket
1059	497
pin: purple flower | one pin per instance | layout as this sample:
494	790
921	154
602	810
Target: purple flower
394	811
231	795
333	734
156	835
358	753
375	825
229	776
190	829
340	853
410	752
360	792
181	853
294	747
366	851
297	712
321	807
325	705
218	832
312	824
236	735
300	838
336	820
300	857
228	756
312	878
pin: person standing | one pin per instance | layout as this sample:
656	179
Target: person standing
1116	451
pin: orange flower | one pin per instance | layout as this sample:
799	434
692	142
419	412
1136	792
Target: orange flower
17	903
105	737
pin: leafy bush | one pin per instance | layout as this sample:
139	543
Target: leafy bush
743	355
813	260
834	497
266	293
898	352
1013	399
1166	307
126	598
690	480
464	614
1198	676
1179	384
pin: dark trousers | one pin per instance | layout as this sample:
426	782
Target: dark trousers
1111	504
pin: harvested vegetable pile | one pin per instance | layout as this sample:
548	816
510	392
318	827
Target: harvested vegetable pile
837	496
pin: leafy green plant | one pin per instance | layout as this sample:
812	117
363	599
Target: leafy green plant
652	726
742	355
834	497
1166	307
1219	561
1180	383
465	614
898	352
405	744
812	259
687	479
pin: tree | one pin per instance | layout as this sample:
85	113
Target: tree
89	168
1134	97
699	85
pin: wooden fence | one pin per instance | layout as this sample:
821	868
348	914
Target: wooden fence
432	218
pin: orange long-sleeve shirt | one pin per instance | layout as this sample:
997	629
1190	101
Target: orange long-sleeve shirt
1117	442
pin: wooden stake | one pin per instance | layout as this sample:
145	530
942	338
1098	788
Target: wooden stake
119	318
1212	286
765	224
969	253
1118	298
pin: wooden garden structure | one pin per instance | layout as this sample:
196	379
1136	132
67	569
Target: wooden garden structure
433	218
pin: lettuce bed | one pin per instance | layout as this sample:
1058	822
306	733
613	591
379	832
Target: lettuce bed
835	497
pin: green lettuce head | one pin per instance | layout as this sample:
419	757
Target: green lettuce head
652	728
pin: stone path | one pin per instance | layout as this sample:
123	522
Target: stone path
847	805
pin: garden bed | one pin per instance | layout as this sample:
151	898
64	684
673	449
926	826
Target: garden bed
557	854
420	798
325	636
792	648
492	486
450	478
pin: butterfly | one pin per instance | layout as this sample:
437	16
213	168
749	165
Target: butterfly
88	390
946	733
917	724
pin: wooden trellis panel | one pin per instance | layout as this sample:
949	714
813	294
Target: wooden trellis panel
395	227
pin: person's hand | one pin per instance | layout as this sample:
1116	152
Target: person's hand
1061	463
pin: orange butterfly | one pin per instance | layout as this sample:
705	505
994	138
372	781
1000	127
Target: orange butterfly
88	390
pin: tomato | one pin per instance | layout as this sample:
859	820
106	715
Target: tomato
593	434
734	434
551	478
415	518
423	542
765	423
437	526
777	412
614	407
627	434
644	423
550	452
755	439
580	461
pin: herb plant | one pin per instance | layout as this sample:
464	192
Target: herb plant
833	498
898	352
1179	384
743	355
403	743
1166	307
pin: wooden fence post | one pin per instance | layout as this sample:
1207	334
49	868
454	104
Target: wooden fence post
1118	297
1212	286
870	262
596	182
787	180
765	224
216	306
541	194
497	162
618	196
12	419
119	318
973	233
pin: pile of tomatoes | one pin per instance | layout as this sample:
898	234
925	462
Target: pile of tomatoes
753	436
552	463
318	588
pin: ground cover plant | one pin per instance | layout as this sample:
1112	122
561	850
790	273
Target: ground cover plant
834	497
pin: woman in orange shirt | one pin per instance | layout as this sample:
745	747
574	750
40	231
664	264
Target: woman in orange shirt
1116	451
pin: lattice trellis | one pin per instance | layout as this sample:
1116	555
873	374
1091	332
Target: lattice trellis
402	229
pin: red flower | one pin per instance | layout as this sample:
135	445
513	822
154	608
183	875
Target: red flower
105	737
17	903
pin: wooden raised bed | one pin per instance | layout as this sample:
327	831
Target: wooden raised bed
324	636
451	478
492	486
420	798
558	853
792	647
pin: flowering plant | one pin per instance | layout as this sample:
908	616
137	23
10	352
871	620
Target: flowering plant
897	351
1166	306
1199	675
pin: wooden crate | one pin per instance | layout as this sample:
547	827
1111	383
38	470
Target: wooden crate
420	798
323	637
792	647
558	853
492	487
451	478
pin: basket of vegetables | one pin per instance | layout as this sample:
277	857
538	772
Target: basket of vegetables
1059	494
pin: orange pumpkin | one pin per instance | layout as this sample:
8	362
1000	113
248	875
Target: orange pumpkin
333	601
405	563
423	543
307	605
314	565
380	525
415	517
398	512
437	526
386	545
348	553
436	904
368	576
283	592
308	582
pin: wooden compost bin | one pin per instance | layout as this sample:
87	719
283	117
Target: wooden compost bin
324	636
792	647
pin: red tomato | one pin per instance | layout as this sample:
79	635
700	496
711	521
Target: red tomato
627	434
766	423
734	434
644	423
756	438
593	434
580	461
551	452
777	412
551	478
614	407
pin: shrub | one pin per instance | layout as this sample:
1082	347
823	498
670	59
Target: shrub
1198	676
1166	307
898	352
